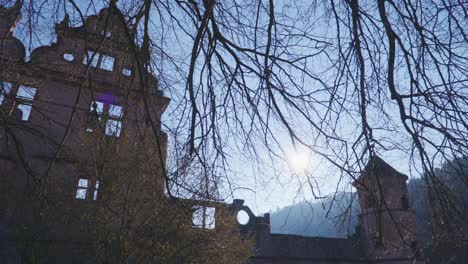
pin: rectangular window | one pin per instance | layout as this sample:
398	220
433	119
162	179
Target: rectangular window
94	116
107	63
82	189
210	217
97	60
5	89
85	187
114	121
25	97
112	115
96	190
91	58
197	216
204	217
113	128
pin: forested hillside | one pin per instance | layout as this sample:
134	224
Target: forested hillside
311	219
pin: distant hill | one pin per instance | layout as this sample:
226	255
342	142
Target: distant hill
309	218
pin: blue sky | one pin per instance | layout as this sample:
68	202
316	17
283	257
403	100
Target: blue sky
266	183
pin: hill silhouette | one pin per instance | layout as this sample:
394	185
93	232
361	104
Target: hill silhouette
318	218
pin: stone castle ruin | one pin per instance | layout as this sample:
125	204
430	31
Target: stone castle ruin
89	73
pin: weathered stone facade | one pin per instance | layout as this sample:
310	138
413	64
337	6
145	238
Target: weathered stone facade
92	75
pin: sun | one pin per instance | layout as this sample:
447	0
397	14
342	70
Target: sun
299	160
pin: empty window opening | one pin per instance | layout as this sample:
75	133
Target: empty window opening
85	187
204	217
243	217
127	72
68	57
5	89
210	213
197	216
91	59
22	101
112	114
98	60
107	34
107	63
114	121
82	189
96	190
93	119
24	98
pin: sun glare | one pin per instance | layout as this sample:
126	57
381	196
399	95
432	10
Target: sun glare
299	160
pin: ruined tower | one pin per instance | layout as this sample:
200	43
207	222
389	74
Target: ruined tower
387	224
75	106
74	120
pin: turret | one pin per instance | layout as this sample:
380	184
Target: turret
387	224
